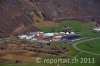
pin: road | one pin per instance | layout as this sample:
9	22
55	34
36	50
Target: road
75	46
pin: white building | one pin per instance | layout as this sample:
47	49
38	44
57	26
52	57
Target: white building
97	29
28	37
22	36
67	33
49	34
72	33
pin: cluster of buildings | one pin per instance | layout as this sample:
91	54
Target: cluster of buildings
43	37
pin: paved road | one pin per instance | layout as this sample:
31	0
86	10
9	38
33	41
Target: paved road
74	45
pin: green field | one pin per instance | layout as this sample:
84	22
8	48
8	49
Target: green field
85	30
91	46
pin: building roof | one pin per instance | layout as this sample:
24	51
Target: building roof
96	29
49	34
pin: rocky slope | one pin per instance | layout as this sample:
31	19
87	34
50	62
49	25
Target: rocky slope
19	16
69	9
16	16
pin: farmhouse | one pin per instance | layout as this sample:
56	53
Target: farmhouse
97	29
